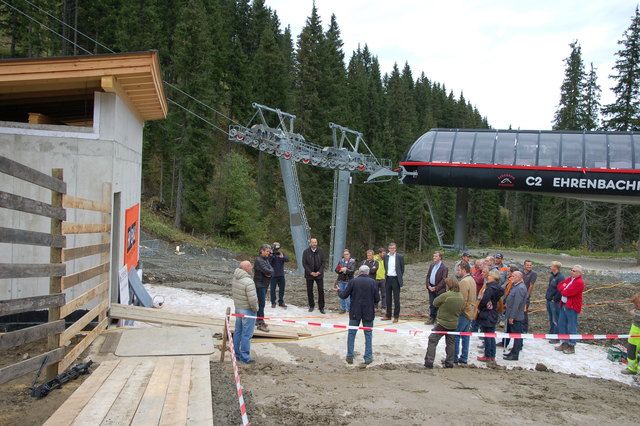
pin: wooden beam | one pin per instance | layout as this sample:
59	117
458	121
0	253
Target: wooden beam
84	251
31	270
150	407
200	410
109	83
39	118
27	304
27	205
30	334
28	365
71	202
81	346
20	171
20	236
82	300
85	228
177	401
77	326
137	313
82	276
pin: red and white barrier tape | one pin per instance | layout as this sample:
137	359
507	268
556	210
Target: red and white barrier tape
243	407
498	335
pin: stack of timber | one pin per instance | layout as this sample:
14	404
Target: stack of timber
137	313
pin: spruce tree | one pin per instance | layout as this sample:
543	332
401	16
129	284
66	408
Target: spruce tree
569	115
624	113
591	102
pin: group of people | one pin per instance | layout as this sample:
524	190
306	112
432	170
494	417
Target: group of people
482	296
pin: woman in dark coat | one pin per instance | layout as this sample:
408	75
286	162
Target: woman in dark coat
488	313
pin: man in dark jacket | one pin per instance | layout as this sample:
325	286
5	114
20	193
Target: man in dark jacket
553	297
313	264
262	272
514	314
345	269
277	260
436	274
364	295
394	270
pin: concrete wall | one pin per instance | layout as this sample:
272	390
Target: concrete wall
110	152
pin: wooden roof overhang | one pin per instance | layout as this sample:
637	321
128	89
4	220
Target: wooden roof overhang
134	77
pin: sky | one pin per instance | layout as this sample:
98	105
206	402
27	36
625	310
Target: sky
506	57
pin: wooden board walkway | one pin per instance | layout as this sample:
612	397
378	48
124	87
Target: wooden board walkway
169	390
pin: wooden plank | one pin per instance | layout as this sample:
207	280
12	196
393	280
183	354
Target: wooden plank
96	409
27	205
55	258
30	334
81	300
81	346
71	202
28	365
150	407
39	118
26	304
124	408
82	276
28	174
21	236
110	342
200	411
138	313
31	270
85	228
84	251
77	326
68	411
177	401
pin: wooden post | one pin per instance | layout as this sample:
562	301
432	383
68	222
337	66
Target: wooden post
223	348
106	239
55	283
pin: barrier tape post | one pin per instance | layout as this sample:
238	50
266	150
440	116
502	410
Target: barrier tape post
498	335
234	362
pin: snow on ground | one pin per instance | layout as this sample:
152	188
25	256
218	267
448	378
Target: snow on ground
589	360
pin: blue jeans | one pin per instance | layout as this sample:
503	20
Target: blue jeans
345	304
553	313
243	334
277	281
489	342
463	325
262	296
351	339
568	323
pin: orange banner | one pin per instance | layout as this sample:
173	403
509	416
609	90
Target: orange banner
131	235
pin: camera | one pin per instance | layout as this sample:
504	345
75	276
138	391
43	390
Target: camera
276	250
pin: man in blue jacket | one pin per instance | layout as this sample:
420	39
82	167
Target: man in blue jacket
515	302
364	295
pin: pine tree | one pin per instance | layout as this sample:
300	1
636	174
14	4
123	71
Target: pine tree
624	113
569	115
591	102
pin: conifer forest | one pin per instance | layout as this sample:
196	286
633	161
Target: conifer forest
227	54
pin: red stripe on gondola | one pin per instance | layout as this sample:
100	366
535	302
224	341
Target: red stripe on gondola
505	166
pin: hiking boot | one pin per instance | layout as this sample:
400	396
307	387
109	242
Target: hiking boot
562	347
263	327
283	305
486	359
428	365
368	361
628	372
349	360
273	305
570	349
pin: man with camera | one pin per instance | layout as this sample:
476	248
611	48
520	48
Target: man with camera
277	261
262	272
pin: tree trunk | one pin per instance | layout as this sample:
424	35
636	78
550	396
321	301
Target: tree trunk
618	228
161	194
178	217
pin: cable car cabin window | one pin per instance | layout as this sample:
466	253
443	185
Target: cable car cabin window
483	151
636	150
462	148
549	150
527	149
620	153
421	150
505	148
442	147
572	150
595	151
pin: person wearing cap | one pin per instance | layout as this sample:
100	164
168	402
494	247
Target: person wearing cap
262	272
504	269
363	292
466	257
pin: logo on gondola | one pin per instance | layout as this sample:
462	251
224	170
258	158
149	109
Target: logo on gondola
506	180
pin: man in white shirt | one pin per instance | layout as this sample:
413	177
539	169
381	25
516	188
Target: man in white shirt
394	269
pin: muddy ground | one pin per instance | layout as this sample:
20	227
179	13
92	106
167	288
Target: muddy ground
320	389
